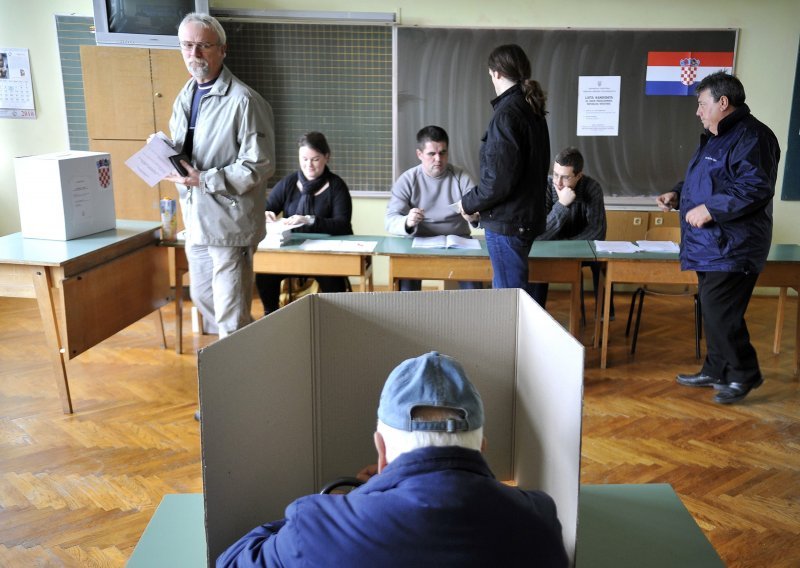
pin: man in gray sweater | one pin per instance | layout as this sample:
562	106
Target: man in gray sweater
422	197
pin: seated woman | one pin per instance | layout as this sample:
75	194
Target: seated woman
314	197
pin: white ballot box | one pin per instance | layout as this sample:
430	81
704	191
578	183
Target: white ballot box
290	402
65	195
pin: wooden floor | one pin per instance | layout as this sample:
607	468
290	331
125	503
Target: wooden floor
79	490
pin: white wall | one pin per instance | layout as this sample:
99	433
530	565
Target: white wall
767	54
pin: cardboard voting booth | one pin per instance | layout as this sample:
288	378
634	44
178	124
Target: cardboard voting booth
65	195
290	402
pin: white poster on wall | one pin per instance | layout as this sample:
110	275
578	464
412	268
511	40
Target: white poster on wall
16	89
598	105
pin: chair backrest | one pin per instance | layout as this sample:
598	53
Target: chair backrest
664	234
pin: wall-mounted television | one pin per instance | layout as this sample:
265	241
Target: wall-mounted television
142	23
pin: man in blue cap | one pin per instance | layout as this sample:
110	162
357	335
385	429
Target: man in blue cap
433	500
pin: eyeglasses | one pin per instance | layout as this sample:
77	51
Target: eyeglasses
203	46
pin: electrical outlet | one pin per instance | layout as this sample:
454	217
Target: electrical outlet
637	221
659	221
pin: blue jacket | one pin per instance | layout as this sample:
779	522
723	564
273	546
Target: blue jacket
733	174
515	159
430	507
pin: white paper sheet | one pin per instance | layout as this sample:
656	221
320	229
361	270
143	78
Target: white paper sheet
151	163
615	246
658	246
326	245
446	241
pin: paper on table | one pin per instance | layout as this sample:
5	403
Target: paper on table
151	163
658	246
446	241
328	245
280	226
615	246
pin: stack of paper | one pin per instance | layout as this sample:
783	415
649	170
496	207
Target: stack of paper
334	245
615	246
278	233
446	241
659	246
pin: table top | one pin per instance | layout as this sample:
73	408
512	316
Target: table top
777	253
402	246
297	239
15	249
619	526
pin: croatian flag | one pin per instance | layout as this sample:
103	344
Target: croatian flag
676	72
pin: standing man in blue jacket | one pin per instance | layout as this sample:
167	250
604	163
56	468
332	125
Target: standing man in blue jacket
726	230
430	501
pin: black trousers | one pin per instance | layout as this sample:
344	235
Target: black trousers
724	297
269	288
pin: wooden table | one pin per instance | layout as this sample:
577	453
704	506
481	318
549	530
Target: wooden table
549	261
621	526
288	259
782	270
87	289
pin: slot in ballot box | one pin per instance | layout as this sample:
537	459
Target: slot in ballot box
290	401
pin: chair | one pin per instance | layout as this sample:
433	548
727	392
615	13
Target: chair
339	483
664	234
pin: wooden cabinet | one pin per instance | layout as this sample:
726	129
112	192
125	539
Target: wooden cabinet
129	94
624	225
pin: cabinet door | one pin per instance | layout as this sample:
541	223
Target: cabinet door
626	225
169	76
664	219
118	92
133	198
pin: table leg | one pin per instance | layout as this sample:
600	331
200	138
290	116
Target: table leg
776	343
575	305
598	309
179	273
606	313
797	336
43	283
160	328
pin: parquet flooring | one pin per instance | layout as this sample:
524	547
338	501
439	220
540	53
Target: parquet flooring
79	490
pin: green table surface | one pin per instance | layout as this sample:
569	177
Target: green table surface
777	253
14	248
541	249
619	526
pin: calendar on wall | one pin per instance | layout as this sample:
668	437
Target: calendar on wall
16	88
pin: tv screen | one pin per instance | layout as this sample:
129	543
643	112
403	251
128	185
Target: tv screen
142	23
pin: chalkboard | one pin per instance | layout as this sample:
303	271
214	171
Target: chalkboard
334	78
443	79
791	171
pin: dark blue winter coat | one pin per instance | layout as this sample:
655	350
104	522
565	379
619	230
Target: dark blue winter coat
733	174
429	507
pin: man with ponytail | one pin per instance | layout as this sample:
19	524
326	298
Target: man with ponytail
514	162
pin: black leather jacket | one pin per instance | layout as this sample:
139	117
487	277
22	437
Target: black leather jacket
515	159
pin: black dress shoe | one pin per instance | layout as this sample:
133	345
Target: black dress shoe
734	392
698	380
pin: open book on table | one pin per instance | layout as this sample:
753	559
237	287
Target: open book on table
446	241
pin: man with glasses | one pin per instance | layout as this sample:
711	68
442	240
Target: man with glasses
225	128
575	210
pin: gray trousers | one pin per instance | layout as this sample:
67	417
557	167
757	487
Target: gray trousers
221	286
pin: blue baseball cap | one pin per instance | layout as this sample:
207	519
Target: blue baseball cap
430	380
